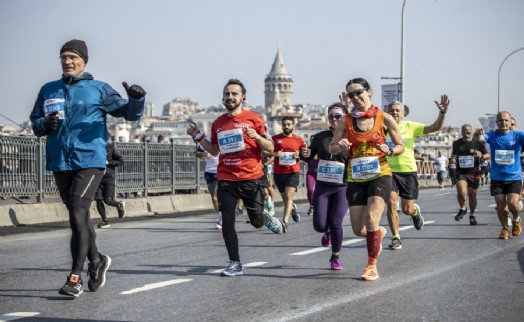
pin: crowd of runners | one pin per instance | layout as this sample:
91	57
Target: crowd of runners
365	163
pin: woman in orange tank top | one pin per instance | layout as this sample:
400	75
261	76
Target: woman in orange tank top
363	133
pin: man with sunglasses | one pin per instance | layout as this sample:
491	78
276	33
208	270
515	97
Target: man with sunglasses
404	167
72	113
286	167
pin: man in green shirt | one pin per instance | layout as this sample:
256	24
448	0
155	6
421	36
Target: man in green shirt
404	167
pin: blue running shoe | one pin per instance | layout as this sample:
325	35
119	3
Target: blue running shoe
273	223
234	268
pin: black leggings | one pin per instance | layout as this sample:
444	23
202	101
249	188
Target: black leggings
252	194
77	190
105	194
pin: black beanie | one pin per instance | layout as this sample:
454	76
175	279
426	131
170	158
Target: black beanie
78	47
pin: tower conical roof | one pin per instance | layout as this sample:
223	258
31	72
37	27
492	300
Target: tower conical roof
278	67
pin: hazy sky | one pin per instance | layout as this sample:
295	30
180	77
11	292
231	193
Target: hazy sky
190	48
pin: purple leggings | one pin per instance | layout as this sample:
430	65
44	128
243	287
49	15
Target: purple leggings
310	184
331	206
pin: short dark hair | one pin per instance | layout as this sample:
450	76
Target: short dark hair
288	118
360	81
234	81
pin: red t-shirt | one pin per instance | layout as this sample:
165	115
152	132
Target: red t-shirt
240	156
288	144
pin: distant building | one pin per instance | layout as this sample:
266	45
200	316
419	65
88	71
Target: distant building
278	87
179	107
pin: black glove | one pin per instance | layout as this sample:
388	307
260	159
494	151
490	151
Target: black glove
51	122
134	91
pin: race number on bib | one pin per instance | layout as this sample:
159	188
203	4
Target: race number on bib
288	158
365	168
466	161
504	157
231	141
330	171
55	105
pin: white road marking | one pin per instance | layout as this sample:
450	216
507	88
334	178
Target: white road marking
493	205
321	249
253	264
17	315
148	287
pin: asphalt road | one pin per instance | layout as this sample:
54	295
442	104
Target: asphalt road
167	269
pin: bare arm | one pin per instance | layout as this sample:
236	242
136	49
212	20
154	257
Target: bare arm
339	141
443	108
392	126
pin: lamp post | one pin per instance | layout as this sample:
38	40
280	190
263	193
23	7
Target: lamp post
498	91
402	95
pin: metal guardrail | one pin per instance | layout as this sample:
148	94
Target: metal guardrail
149	169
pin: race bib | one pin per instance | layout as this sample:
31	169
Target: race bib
466	161
288	158
365	168
231	141
330	171
55	105
504	157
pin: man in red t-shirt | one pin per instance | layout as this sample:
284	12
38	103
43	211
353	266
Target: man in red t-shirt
238	136
286	167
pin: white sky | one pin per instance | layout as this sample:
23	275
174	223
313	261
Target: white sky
189	49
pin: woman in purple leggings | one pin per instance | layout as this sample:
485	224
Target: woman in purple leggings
329	197
311	178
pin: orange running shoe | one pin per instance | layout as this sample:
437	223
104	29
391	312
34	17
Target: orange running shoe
370	273
504	234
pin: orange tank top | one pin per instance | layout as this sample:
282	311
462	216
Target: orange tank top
366	161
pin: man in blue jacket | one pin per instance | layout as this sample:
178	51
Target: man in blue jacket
72	112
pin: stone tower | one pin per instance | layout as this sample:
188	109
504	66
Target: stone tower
278	87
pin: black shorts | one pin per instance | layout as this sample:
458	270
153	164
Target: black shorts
472	180
284	180
406	185
359	192
106	188
505	187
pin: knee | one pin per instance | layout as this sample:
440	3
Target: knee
362	232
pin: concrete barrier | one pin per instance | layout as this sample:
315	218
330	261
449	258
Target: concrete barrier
40	213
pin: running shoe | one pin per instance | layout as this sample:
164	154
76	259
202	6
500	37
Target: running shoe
270	206
219	221
73	286
336	265
294	214
273	223
97	275
239	212
472	220
284	226
121	208
520	206
461	214
504	234
310	211
234	268
104	224
396	243
326	239
370	273
515	231
418	220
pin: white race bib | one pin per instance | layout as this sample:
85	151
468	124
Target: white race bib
365	168
55	105
330	171
288	158
231	141
504	157
466	161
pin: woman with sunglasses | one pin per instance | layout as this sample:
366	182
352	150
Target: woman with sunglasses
363	132
329	196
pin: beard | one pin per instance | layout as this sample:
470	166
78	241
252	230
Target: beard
232	105
287	131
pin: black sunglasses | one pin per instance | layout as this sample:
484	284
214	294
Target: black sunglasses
335	116
357	92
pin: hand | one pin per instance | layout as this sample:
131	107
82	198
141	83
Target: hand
51	122
444	103
306	153
384	148
192	129
344	143
249	131
134	91
344	99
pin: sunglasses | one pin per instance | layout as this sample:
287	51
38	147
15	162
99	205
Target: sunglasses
357	92
335	116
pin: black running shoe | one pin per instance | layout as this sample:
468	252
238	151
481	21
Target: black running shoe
418	220
461	214
121	207
472	220
73	286
97	275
